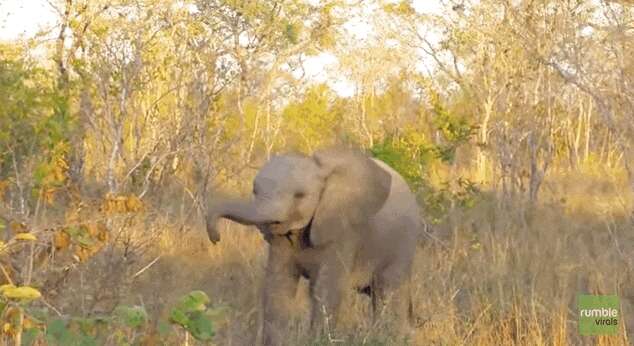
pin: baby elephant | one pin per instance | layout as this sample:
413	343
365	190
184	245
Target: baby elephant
331	217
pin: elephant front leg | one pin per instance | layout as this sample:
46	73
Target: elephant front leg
326	290
280	287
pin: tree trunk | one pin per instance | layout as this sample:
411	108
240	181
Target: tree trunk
483	138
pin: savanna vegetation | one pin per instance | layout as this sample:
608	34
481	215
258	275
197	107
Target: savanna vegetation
513	120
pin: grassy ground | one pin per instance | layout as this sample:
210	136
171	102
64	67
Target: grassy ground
499	273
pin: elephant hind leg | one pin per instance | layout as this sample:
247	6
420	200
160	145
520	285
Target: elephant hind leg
392	298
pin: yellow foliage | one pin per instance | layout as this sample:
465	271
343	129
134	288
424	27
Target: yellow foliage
61	240
98	231
24	293
121	204
83	254
4	287
48	195
29	323
60	169
17	227
25	237
4	184
83	241
133	204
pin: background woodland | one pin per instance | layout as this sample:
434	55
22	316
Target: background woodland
513	121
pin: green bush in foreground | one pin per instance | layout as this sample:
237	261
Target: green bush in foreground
25	324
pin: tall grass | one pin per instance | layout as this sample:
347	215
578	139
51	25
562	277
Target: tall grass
499	273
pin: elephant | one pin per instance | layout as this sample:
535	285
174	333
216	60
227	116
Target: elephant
328	217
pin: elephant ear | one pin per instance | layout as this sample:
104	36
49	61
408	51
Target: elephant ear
355	189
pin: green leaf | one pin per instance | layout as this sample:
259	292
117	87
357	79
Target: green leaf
87	340
179	317
192	314
131	316
81	236
91	326
291	32
40	172
36	316
164	329
29	336
58	334
194	301
200	326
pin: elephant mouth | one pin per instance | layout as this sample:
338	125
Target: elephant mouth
301	235
275	228
304	235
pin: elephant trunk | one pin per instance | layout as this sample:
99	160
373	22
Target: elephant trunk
242	212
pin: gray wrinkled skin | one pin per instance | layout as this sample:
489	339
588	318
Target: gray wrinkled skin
338	218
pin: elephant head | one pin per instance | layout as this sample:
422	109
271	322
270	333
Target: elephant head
332	190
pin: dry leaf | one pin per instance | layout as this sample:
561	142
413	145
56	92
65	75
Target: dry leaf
17	227
61	240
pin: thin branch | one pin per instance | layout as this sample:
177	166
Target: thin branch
6	274
146	267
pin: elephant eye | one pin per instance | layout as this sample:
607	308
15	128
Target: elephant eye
299	194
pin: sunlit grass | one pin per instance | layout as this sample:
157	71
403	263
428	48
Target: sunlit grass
490	278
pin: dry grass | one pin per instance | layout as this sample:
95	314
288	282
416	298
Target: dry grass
500	274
